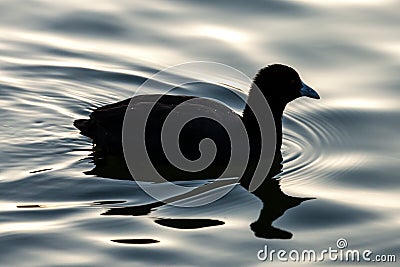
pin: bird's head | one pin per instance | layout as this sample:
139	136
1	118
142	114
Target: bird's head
281	84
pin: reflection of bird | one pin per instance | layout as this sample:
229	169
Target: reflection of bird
278	83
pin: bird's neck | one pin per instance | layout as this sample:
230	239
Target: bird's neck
252	126
254	134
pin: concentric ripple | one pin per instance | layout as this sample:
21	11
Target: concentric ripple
312	142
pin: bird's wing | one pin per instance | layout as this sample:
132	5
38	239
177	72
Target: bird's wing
111	116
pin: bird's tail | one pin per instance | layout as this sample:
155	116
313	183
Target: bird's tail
85	126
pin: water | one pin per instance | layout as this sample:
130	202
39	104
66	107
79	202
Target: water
58	61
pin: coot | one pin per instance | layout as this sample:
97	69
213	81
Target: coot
278	83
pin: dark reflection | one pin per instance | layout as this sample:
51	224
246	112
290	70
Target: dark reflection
107	202
111	166
275	201
42	170
29	206
188	223
138	241
138	210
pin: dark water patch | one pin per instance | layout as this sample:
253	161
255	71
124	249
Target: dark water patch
136	241
88	23
139	210
42	170
50	49
188	223
107	202
9	91
60	52
258	7
29	206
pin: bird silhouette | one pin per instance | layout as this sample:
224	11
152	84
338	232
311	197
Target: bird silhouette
279	85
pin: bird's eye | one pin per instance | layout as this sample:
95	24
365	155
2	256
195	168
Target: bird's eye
292	82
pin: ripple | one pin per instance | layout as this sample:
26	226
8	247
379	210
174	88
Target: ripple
313	145
60	59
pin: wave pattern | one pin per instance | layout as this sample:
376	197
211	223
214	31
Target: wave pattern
60	60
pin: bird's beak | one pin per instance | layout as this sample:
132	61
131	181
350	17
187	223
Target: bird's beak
308	91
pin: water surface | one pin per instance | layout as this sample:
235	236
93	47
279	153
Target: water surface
58	61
